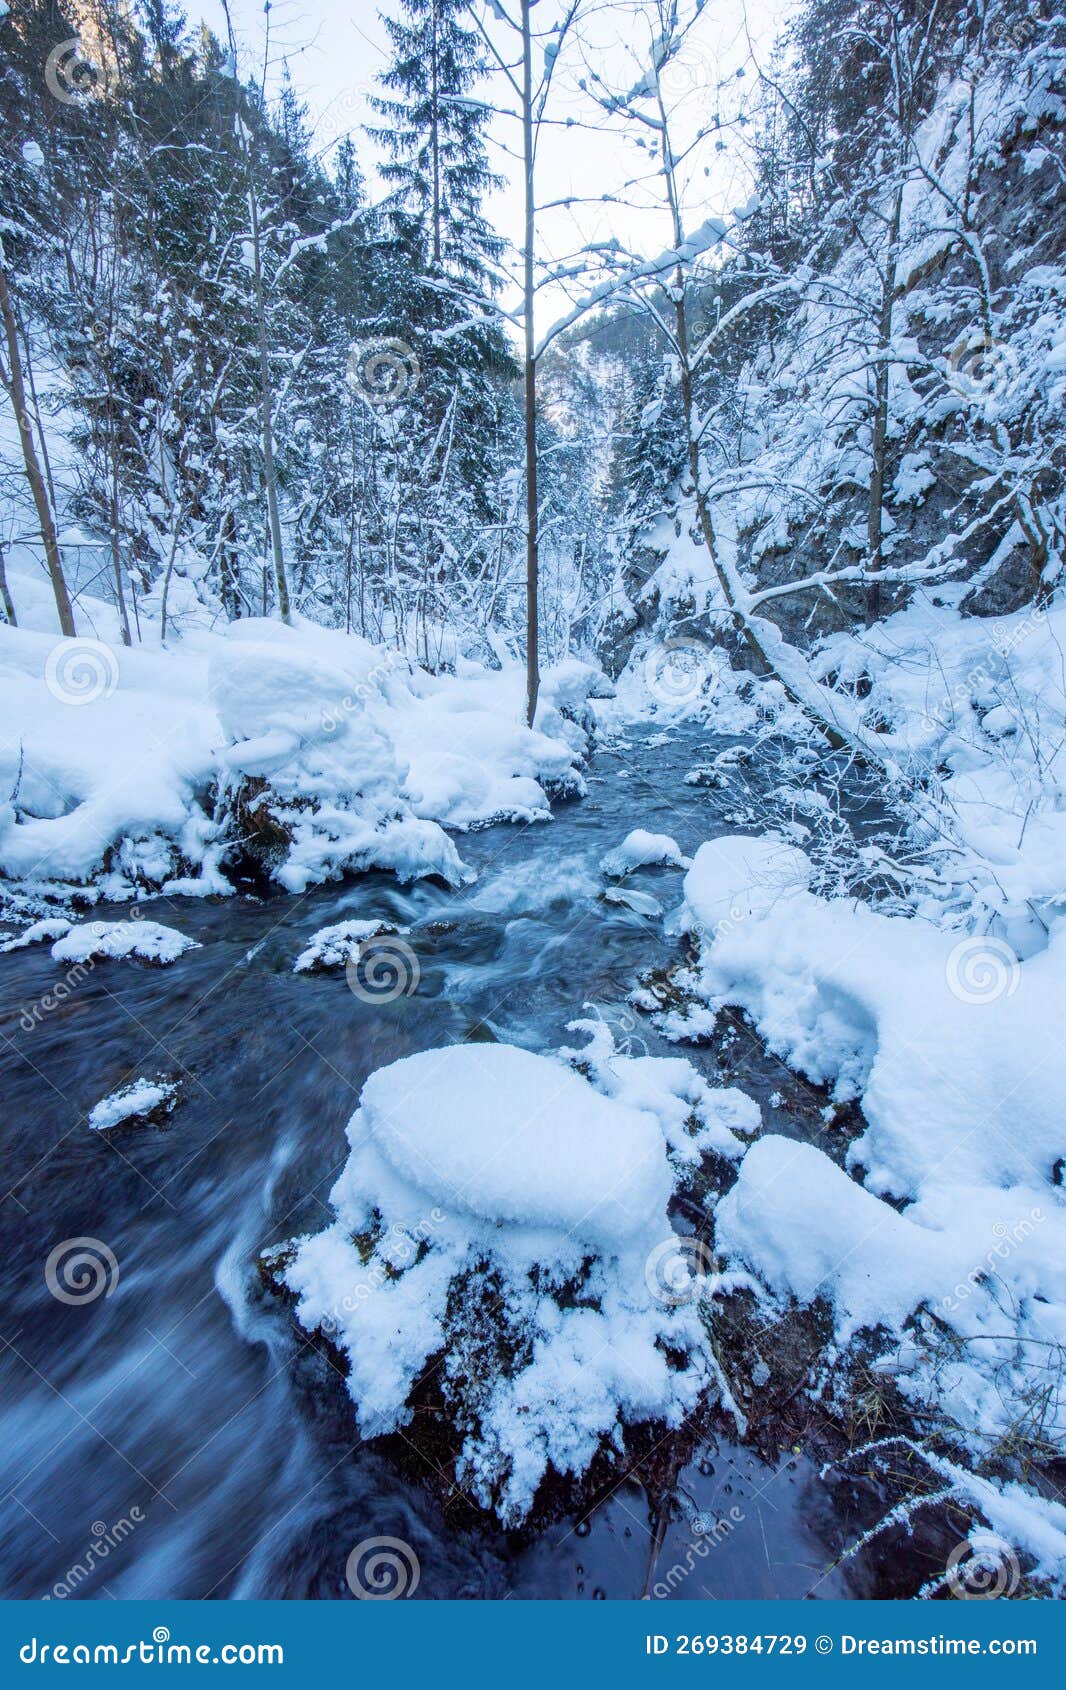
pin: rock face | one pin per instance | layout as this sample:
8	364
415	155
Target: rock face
976	408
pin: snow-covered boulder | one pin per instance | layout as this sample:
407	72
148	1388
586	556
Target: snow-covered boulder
736	877
146	941
310	776
641	849
501	1218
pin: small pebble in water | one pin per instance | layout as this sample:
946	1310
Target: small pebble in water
582	1528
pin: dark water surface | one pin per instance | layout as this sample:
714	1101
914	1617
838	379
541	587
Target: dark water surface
152	1443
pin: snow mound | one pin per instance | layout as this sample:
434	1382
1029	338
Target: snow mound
148	941
736	877
320	753
336	946
307	767
641	849
508	1137
504	1221
141	1100
949	1044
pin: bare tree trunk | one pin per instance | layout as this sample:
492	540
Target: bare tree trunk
5	594
13	382
266	410
879	428
530	371
266	396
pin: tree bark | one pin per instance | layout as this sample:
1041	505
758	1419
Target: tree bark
879	426
5	594
530	372
14	383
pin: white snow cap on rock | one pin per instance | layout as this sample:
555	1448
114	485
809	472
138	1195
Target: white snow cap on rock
506	1136
495	1203
333	947
641	849
132	1103
149	941
356	758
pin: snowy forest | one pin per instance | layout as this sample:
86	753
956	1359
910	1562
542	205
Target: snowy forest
532	862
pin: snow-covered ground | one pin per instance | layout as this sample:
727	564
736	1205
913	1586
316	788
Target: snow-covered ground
135	768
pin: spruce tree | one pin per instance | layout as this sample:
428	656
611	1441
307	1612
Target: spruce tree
438	164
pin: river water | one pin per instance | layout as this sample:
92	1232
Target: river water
156	1442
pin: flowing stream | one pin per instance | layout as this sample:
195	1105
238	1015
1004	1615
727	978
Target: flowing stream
155	1441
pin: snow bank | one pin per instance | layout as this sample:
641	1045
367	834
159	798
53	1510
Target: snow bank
138	768
975	706
950	1045
949	1042
505	1215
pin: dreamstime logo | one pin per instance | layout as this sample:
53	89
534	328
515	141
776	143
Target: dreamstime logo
73	76
383	372
676	671
79	1270
684	72
982	1567
981	369
382	970
382	1569
105	1539
362	693
1008	1239
81	671
982	969
674	1269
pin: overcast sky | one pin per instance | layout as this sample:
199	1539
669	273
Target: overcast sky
334	48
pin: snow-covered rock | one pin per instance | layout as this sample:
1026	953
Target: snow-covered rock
950	1045
501	1213
320	752
147	941
641	849
140	1100
50	929
336	946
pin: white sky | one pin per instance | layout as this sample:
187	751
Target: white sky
334	48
